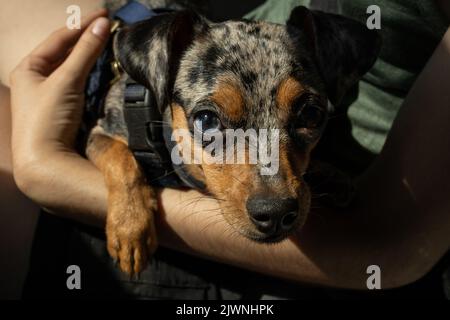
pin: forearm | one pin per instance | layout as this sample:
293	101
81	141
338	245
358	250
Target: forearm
66	184
333	248
47	97
192	223
400	222
62	182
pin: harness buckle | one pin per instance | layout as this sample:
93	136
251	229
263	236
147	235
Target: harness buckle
144	124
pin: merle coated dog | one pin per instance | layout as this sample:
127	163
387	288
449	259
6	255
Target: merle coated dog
234	74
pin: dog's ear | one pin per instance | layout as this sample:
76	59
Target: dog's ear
344	49
150	51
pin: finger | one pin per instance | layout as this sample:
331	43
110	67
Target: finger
55	47
47	56
86	51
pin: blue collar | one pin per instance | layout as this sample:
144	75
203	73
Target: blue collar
134	12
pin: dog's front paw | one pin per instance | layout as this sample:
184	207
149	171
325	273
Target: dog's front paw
130	228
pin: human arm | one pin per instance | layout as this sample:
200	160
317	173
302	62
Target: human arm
46	93
400	223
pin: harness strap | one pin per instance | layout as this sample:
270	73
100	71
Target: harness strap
142	116
148	139
145	137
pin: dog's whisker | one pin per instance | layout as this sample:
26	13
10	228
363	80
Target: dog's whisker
220	220
202	212
205	210
192	214
193	203
215	221
244	184
210	224
233	233
201	197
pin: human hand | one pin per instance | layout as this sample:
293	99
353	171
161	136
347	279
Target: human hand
47	93
47	99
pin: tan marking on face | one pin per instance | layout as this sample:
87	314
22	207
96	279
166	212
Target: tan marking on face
292	166
233	183
229	98
287	92
290	169
179	121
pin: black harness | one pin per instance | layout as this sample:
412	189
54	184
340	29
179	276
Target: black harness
145	133
147	139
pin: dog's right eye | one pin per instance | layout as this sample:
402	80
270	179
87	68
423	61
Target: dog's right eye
207	121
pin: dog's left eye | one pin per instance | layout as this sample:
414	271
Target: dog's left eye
309	114
207	121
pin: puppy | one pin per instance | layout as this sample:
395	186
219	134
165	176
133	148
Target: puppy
215	76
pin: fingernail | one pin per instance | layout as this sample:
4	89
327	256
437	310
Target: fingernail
101	27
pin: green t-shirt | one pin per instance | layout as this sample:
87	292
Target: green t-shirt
410	30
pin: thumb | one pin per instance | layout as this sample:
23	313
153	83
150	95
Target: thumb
86	51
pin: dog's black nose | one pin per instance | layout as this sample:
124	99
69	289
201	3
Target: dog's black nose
272	215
